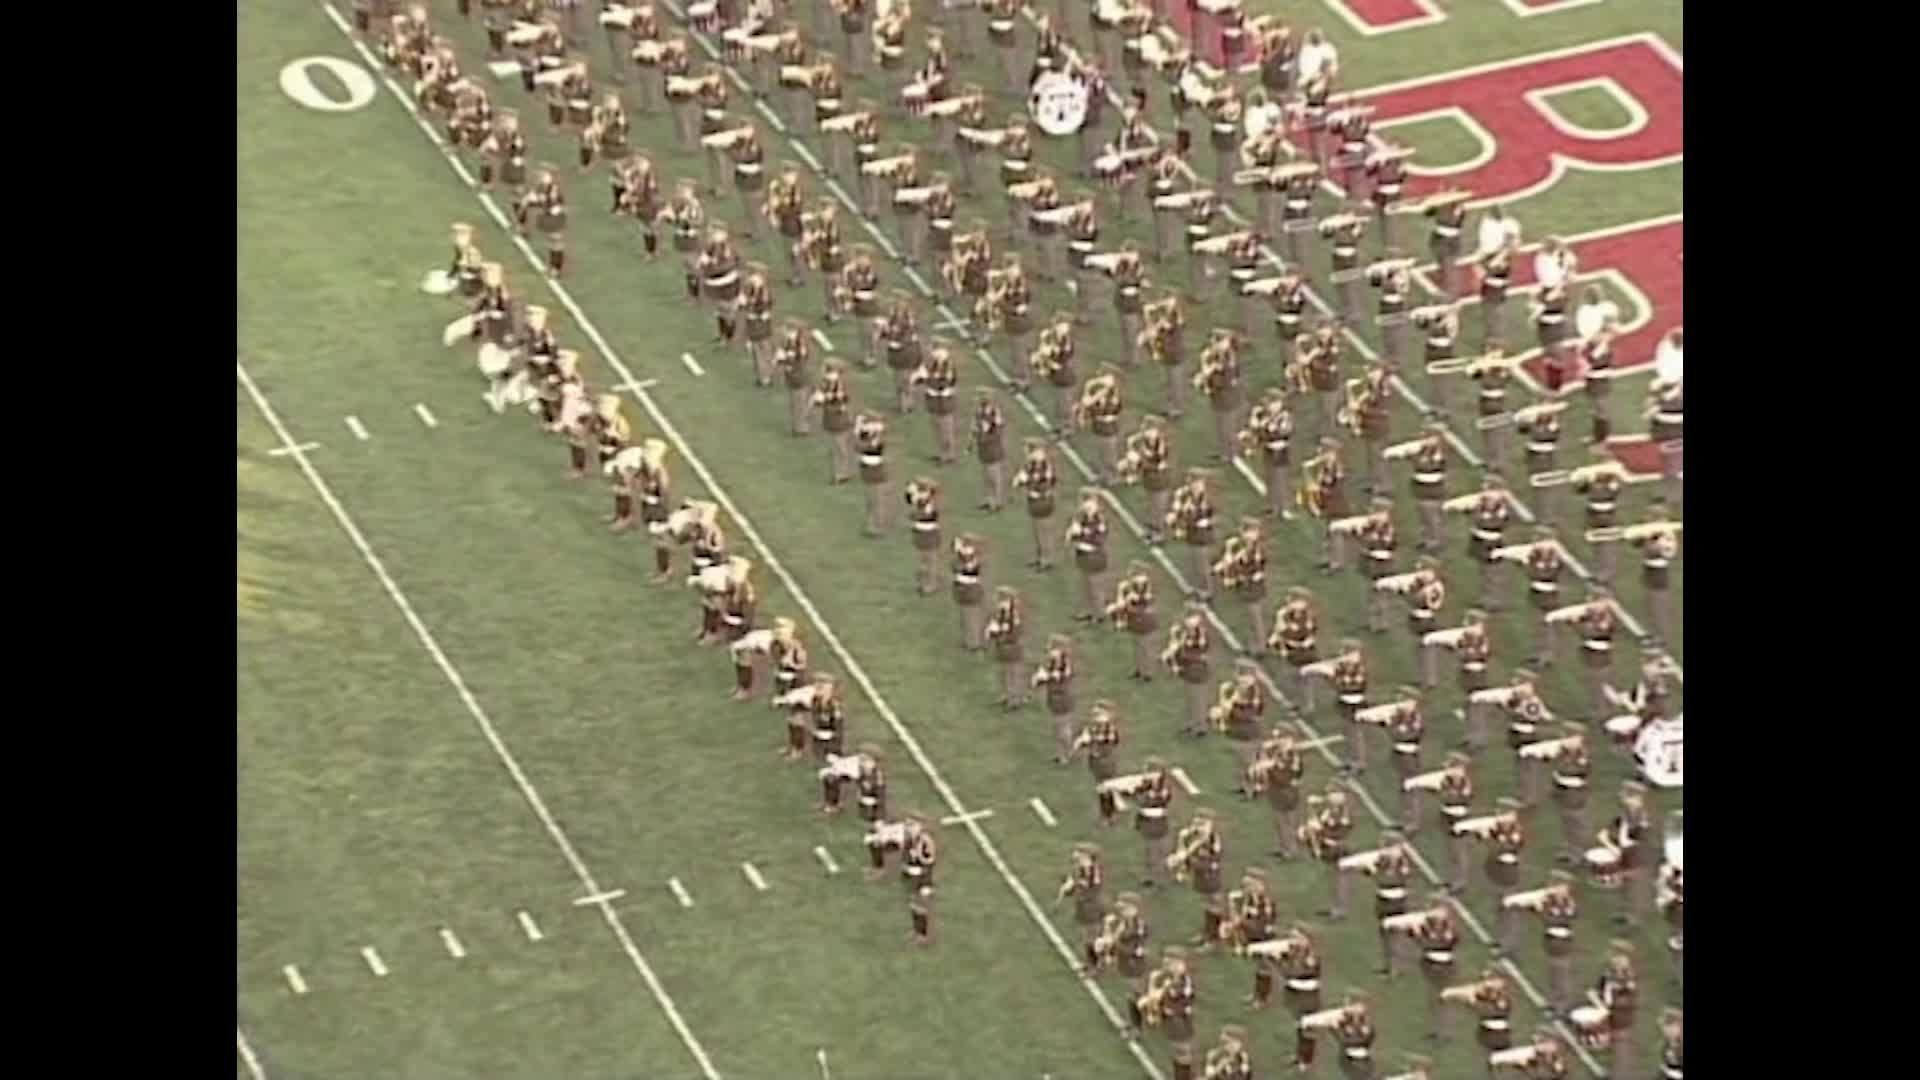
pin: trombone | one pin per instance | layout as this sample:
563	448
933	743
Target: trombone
1484	826
1585	474
1633	533
1472	366
1548	749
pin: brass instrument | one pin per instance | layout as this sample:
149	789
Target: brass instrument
843	767
1518	1057
953	106
1482	827
1322	668
1585	474
1177	861
1273	949
1471	366
1406	449
796	76
1351	526
1460	995
1325	1019
1426	781
1125	785
1106	944
1381	715
1541	411
984	139
1633	533
1530	900
1364	862
725	140
1548	749
1573	612
845	122
1106	262
1223	702
1400	583
1501	696
1404	924
682	87
1446	639
887	167
1152	1004
1220	245
888	835
913	196
1025	190
1439	200
1519	553
1461	504
1275	175
1181	200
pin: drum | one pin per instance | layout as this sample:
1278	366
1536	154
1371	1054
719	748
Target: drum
723	286
1622	730
913	97
1589	1024
705	16
1603	867
579	111
438	283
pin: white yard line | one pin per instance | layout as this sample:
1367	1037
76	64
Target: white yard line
1185	780
454	948
600	898
283	451
527	925
374	963
686	359
294	980
753	876
858	674
825	341
826	860
679	892
962	819
248	1057
425	415
359	430
1040	808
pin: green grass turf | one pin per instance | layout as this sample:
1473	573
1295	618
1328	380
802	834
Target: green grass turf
1590	107
348	781
1438	141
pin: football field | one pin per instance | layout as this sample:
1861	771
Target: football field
497	816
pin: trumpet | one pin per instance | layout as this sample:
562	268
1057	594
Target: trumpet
1426	781
796	77
1573	612
1472	366
1481	827
1402	450
1398	583
1440	200
1380	715
845	122
1273	949
1633	533
680	87
1445	639
1151	1004
1530	900
1107	943
1059	215
1548	749
1218	245
804	697
1324	1020
888	167
1404	924
1125	785
1177	861
1460	995
724	140
912	196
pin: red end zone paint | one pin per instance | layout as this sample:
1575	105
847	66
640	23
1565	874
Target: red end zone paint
1179	15
1649	257
1639	453
1529	151
1385	14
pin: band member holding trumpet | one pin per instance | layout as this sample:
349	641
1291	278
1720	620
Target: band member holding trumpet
1191	521
923	514
1219	379
1188	643
1377	537
1100	738
1097	411
1167	1003
1267	436
1132	610
1005	629
1504	836
1426	458
1055	675
1324	495
938	378
1055	361
870	443
1472	643
1039	478
1390	867
1600	481
1618	989
1163	339
1276	772
1540	425
863	770
1596	622
898	332
1296	630
833	396
1543	561
1437	932
1489	510
783	208
1325	836
1558	911
1425	593
1242	571
1352	1025
1087	536
1229	1059
1197	859
1085	882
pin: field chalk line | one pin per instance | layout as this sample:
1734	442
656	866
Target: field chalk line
532	931
679	892
247	1056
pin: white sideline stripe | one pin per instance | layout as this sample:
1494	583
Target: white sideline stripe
1185	780
1045	814
600	898
753	875
773	118
1434	14
679	892
774	566
454	948
686	358
826	860
1556	8
281	451
374	962
294	980
526	924
539	805
825	341
962	819
248	1057
425	416
359	430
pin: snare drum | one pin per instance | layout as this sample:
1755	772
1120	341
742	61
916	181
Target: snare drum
1589	1024
914	98
1622	730
705	16
1603	867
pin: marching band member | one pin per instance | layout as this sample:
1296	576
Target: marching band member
751	653
543	204
1168	1004
988	438
1315	371
1100	738
1667	405
1296	628
686	217
1163	339
1390	868
1324	496
916	870
821	249
869	777
1492	1005
1132	610
937	377
1352	1025
580	423
719	267
1129	279
1499	242
1596	363
833	396
1489	510
1553	268
1596	622
1153	796
1571	764
899	339
1378	540
1325	835
1086	880
923	513
1168	200
1149	459
1054	361
1672	1063
969	589
825	707
1056	674
1438	935
792	359
1630	835
1672	903
1299	958
1276	772
889	326
1124	934
1472	643
636	194
1039	478
1558	910
1425	592
1369	398
1600	481
1219	379
1099	408
1619	991
790	674
1386	174
870	442
756	309
1198	856
1246	579
1191	521
1525	713
1269	431
1427	463
1229	1060
1504	836
783	209
1188	643
1005	629
738	602
1659	541
1316	66
1448	211
1393	276
1343	231
1087	535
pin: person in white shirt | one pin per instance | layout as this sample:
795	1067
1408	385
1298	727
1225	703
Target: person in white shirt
1317	57
1497	231
1666	399
1553	268
1667	360
1594	313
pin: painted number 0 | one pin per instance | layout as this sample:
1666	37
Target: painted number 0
297	83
